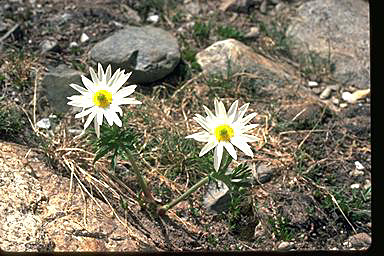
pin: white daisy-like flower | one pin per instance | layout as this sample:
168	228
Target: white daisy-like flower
225	130
102	97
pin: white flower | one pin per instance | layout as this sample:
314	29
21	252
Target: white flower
223	130
102	97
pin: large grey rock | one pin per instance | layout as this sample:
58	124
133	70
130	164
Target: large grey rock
39	212
339	26
56	84
228	57
150	52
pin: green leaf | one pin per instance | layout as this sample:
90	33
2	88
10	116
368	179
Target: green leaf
234	179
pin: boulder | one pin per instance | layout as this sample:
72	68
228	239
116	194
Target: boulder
56	85
231	54
339	28
151	53
39	212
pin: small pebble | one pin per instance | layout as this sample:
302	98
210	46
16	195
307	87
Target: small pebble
367	184
84	38
356	173
73	44
254	32
153	18
48	45
343	105
354	97
358	165
326	93
44	123
312	83
335	101
355	186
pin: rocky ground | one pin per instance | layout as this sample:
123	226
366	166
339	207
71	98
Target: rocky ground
304	66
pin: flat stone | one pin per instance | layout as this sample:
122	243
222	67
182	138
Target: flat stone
326	93
230	53
359	241
49	45
151	53
253	33
313	84
56	85
341	27
84	38
285	245
217	197
355	96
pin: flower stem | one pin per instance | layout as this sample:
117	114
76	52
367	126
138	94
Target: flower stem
163	209
139	176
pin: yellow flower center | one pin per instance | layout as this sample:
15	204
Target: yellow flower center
224	132
102	98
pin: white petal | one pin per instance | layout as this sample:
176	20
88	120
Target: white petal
114	77
210	145
248	138
222	111
80	101
232	111
81	104
126	91
117	120
116	109
108	73
127	101
120	81
94	77
248	118
241	112
99	117
216	103
201	120
230	149
85	112
100	71
78	88
109	117
209	112
218	156
246	128
89	120
88	83
114	118
200	136
242	145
